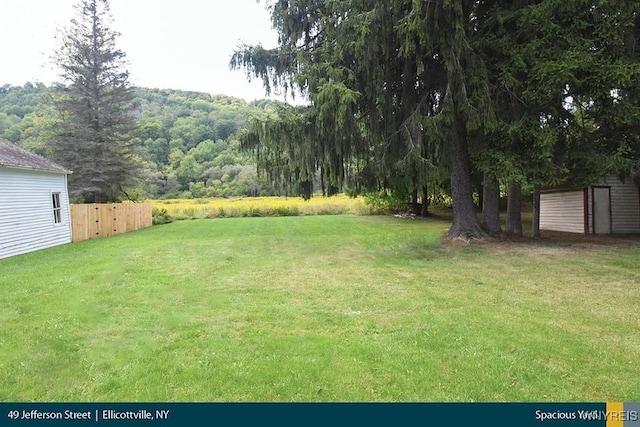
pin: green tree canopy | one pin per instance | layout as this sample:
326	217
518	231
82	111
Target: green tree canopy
528	92
392	85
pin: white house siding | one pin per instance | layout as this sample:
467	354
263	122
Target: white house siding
26	211
625	206
562	211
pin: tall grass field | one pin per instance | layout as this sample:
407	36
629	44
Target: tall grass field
259	207
320	308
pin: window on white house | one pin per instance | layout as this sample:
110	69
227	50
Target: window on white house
57	208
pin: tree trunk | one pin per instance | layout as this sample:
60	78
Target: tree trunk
415	208
514	209
535	223
465	220
491	205
425	202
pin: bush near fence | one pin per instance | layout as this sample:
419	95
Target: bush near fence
89	221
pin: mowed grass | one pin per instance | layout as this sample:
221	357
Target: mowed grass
319	308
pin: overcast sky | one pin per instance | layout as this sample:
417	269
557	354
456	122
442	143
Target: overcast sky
170	44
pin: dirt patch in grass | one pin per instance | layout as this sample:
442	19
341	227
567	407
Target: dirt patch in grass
575	238
556	242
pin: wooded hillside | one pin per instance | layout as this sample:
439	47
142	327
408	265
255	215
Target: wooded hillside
186	142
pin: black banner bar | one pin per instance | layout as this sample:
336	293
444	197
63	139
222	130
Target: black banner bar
303	414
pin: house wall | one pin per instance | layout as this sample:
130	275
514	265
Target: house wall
625	206
562	211
26	211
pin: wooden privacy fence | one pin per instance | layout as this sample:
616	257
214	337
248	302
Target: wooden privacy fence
102	220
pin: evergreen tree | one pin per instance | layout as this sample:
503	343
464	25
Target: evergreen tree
395	88
562	75
95	107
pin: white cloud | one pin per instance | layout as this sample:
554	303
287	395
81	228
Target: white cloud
177	44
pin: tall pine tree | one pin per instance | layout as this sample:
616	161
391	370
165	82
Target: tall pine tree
95	107
395	88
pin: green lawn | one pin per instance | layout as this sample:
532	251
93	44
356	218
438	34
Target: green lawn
323	308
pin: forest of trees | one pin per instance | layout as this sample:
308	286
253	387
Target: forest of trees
186	143
417	96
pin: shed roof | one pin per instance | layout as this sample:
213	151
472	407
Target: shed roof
13	156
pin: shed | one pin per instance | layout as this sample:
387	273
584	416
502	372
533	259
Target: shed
611	206
34	202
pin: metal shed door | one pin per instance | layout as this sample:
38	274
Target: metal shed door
602	210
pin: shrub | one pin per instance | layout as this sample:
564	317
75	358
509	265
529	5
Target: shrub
382	203
160	216
285	211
